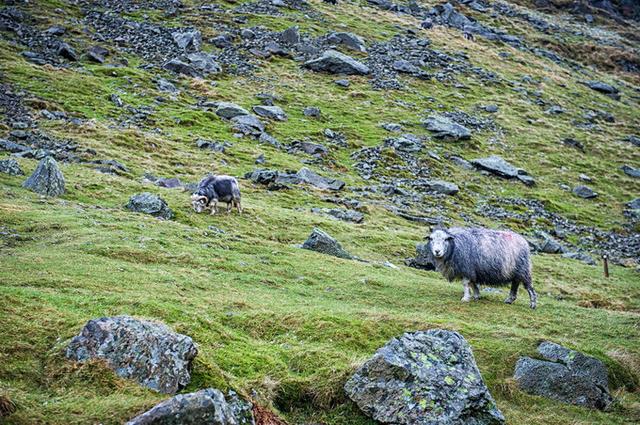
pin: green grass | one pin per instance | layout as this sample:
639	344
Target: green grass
268	316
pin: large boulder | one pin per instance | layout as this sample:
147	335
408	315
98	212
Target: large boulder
445	128
500	167
10	166
186	39
604	88
147	352
565	375
180	67
426	377
207	406
335	62
204	62
248	124
424	258
149	203
47	179
320	241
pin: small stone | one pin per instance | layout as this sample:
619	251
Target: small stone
320	241
445	128
584	192
630	171
311	111
10	166
343	83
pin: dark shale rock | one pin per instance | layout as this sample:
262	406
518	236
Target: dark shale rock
347	39
630	171
187	39
229	110
501	168
580	256
308	176
312	111
272	112
47	179
97	54
67	52
565	375
9	146
341	214
149	203
604	88
147	352
320	241
248	124
335	62
207	406
439	186
423	378
585	192
204	63
10	166
424	258
180	67
445	128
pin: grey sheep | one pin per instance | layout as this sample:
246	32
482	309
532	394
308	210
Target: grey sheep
483	256
214	189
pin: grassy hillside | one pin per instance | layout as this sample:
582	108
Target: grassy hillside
279	324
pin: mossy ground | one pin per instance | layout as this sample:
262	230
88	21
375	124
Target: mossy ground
268	316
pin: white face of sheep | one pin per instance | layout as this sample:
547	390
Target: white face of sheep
198	202
440	243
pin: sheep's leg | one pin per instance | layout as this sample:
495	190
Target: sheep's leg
467	296
514	292
229	207
533	297
476	291
214	207
238	206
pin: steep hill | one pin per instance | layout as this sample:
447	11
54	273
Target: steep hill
399	130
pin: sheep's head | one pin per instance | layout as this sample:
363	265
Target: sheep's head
198	202
440	241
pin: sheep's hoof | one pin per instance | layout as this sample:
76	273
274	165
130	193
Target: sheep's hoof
476	297
509	300
465	299
533	306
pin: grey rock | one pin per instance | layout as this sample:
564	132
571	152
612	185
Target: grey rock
580	256
555	110
347	39
565	375
67	52
166	86
605	88
341	214
308	176
312	111
97	54
320	241
461	162
229	110
10	166
392	127
290	36
207	406
424	257
9	146
343	83
584	192
204	63
272	112
405	66
445	128
491	108
248	124
47	179
501	168
335	62
169	183
548	244
424	378
440	186
310	148
634	205
633	139
149	203
147	352
406	143
180	67
187	39
630	171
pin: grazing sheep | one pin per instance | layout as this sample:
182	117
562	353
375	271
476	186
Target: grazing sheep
483	256
214	189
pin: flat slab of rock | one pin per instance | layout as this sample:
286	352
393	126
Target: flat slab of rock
445	128
500	167
341	214
47	179
308	176
335	62
148	203
207	406
347	39
272	112
10	166
439	186
424	378
320	241
605	88
229	110
147	352
565	375
630	171
585	192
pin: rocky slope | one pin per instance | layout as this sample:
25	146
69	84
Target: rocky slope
370	120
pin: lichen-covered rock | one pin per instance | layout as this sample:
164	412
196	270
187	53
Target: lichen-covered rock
320	241
147	352
207	406
427	377
148	203
10	166
47	179
566	375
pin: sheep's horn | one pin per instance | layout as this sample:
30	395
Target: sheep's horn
195	197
